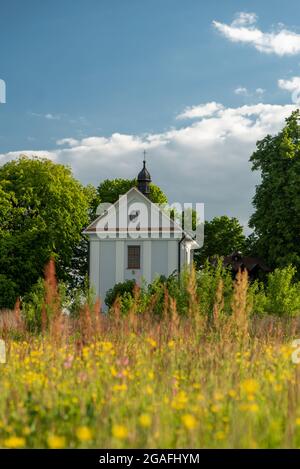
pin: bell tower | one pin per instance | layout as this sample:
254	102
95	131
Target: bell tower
144	179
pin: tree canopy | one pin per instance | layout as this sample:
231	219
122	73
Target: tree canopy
222	236
110	189
43	210
276	220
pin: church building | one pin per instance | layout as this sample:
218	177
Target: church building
135	239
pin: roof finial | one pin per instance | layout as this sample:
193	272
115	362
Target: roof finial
144	153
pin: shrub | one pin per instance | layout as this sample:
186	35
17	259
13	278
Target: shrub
118	291
208	280
283	292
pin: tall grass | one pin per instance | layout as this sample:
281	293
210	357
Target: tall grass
143	379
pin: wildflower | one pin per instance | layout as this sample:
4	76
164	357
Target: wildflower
145	420
120	432
250	386
189	421
56	442
252	408
113	371
218	396
14	442
180	401
120	387
149	390
232	393
220	436
151	342
215	408
84	434
297	422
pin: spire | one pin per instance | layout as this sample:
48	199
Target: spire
144	178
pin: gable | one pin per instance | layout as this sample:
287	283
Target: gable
134	214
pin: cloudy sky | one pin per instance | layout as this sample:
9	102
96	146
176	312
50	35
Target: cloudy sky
92	83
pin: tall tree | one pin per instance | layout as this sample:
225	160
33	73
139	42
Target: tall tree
276	220
110	189
222	236
43	210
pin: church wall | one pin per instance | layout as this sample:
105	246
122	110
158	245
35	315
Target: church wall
159	258
107	275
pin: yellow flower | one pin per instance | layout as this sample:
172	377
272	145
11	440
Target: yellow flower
253	408
84	434
149	390
171	344
145	420
56	442
197	386
120	432
14	442
220	436
180	401
215	408
151	342
232	393
218	396
297	422
250	386
189	421
113	371
120	387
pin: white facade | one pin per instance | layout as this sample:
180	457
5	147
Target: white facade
160	246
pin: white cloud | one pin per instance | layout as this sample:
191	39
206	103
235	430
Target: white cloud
202	110
70	142
292	85
241	90
205	161
243	29
48	116
243	19
52	116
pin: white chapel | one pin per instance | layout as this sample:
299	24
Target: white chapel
135	239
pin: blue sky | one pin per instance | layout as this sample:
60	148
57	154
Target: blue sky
111	76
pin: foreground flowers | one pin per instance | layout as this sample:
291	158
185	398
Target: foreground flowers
149	390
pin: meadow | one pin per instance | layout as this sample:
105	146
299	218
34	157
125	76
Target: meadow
143	380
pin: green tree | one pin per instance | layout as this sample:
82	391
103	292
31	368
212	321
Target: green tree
222	236
43	210
276	220
110	189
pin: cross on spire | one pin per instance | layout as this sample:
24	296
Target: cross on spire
144	153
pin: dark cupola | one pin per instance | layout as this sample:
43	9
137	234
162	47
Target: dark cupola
144	179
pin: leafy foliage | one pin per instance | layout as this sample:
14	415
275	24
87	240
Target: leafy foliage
109	191
276	220
118	291
44	210
222	236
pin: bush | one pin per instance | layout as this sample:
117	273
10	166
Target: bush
119	290
208	280
283	292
